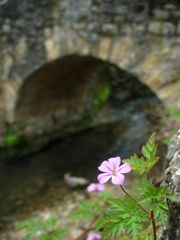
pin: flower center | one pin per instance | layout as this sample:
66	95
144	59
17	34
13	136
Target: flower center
113	172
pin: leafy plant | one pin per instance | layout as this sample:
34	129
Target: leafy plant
132	217
173	112
42	230
144	163
110	217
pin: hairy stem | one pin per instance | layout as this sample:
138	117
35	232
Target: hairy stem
153	225
144	210
150	215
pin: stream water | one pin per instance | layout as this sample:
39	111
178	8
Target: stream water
37	180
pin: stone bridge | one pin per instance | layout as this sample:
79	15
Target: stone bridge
141	37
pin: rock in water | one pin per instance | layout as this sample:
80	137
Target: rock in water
172	181
75	182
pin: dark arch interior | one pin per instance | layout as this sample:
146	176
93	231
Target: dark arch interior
62	82
62	97
55	83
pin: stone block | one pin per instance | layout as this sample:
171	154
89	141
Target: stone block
9	89
122	9
172	182
176	14
161	14
110	29
121	50
119	19
104	48
155	27
170	6
139	27
178	28
6	66
6	28
21	49
168	28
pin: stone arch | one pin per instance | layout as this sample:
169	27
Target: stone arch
63	96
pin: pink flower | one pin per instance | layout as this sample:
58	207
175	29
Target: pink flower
94	236
112	169
95	187
178	105
166	134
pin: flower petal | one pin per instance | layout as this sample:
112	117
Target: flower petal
125	168
100	187
114	163
118	179
104	167
91	187
103	177
94	236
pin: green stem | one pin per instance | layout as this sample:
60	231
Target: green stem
150	215
144	210
153	225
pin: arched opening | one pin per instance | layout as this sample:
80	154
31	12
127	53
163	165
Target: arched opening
64	96
58	83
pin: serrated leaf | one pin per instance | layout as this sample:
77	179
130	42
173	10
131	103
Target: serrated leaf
124	215
145	163
137	163
154	198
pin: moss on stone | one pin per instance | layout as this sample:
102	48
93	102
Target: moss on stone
100	96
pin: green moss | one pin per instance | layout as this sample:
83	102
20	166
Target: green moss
101	95
11	138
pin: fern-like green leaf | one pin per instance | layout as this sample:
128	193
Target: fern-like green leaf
49	229
145	163
154	198
149	151
137	163
124	216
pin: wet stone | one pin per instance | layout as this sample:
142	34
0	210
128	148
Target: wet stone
155	27
178	29
160	14
110	28
168	28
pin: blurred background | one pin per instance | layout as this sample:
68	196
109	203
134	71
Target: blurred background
80	81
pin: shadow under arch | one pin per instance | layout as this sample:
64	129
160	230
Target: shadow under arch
63	97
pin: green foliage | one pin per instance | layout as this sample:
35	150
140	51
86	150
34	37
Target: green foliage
117	218
173	112
92	207
145	163
12	139
124	216
154	199
87	209
41	230
167	140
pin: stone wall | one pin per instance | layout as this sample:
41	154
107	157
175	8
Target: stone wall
141	37
172	181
